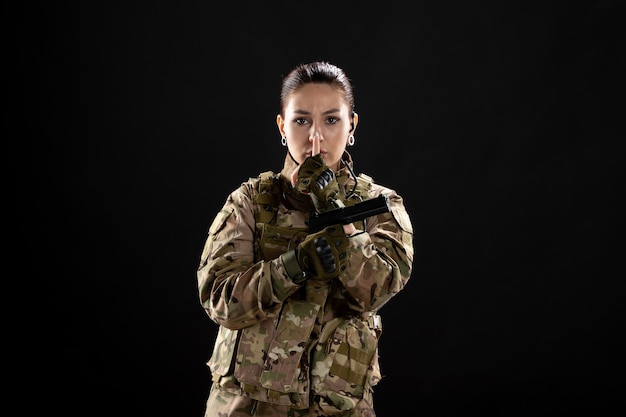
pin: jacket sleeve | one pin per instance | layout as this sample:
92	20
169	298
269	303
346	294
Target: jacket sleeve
381	258
235	291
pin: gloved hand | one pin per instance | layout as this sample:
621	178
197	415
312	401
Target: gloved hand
322	256
318	180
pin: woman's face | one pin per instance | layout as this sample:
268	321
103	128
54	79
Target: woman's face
317	120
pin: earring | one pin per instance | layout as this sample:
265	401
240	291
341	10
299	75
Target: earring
283	141
351	140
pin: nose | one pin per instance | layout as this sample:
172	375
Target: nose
315	133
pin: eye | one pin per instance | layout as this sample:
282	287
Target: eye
301	121
332	120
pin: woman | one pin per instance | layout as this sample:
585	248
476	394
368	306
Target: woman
297	305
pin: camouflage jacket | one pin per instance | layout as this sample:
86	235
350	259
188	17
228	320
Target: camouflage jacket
285	343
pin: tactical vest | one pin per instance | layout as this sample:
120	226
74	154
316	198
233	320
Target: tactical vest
344	358
272	240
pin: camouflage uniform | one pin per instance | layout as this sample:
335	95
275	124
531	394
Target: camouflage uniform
285	349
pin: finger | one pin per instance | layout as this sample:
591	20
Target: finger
316	144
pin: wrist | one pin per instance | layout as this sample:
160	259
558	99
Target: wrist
292	267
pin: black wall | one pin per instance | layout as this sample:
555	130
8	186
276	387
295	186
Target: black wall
499	122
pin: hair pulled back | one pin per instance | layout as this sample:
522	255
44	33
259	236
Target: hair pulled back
319	72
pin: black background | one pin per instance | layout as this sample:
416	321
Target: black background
128	123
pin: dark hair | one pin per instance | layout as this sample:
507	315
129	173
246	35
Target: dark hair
316	72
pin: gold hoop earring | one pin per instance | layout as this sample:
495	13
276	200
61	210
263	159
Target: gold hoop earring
283	141
351	140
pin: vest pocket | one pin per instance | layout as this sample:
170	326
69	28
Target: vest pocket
284	354
345	365
269	356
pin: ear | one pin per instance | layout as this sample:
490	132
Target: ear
281	125
355	121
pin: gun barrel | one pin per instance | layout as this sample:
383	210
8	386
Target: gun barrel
349	214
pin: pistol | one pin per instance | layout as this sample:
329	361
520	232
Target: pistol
349	214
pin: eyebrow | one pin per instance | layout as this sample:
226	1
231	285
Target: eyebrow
330	111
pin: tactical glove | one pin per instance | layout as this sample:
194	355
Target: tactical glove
322	256
318	180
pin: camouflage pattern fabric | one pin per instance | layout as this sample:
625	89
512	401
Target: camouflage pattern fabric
224	404
285	349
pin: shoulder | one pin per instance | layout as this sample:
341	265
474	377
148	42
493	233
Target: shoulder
255	185
396	202
258	195
373	189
